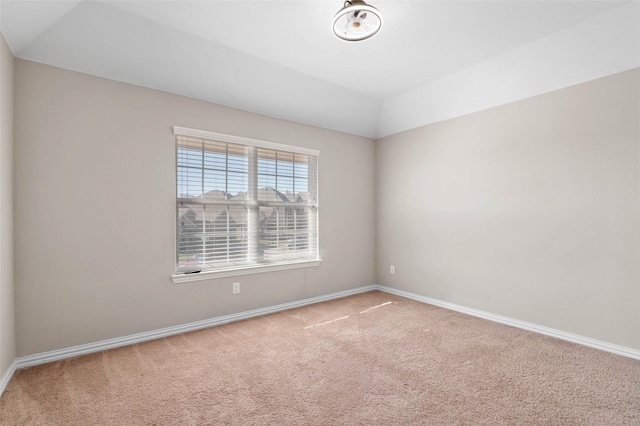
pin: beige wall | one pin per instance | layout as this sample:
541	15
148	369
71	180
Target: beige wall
530	210
95	207
7	329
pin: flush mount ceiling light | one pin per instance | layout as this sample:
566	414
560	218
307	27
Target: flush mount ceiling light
356	21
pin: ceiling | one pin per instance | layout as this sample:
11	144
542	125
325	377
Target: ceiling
280	58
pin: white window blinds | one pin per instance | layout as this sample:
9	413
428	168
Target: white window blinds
242	202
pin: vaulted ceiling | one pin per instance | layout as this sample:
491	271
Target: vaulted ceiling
432	60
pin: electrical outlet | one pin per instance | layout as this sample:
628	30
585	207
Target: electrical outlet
392	269
236	288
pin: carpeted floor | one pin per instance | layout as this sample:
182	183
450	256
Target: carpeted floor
369	359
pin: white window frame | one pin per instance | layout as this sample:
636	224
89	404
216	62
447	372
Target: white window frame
257	267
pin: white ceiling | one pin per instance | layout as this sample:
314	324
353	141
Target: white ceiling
280	57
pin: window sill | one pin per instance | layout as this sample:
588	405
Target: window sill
244	270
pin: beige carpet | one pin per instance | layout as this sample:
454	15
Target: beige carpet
370	359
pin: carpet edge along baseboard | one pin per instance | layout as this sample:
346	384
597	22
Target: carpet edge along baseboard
59	354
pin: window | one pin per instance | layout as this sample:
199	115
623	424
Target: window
243	205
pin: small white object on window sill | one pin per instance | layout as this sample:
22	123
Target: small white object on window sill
245	270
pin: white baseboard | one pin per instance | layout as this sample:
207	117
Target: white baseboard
575	338
6	378
45	357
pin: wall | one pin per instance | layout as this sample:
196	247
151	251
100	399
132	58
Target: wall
7	329
529	210
95	210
